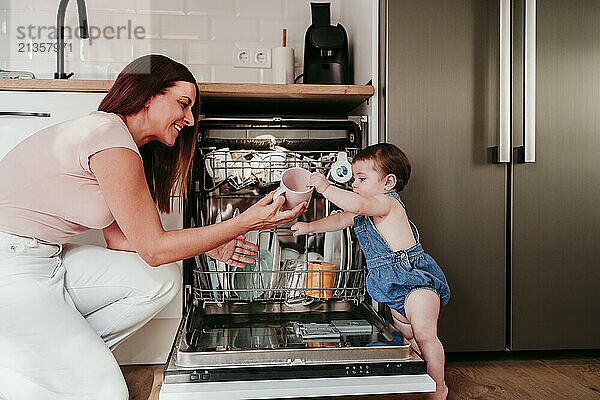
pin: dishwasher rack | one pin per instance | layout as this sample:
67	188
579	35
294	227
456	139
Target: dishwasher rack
260	168
231	181
291	281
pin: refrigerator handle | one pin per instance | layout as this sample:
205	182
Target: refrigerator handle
530	65
526	153
504	148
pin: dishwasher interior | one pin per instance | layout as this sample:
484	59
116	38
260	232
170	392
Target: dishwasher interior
300	311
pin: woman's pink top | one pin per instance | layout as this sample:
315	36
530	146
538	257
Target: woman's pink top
47	190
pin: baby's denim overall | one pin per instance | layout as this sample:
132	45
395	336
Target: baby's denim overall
393	275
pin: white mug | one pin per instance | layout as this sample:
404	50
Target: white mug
294	186
216	164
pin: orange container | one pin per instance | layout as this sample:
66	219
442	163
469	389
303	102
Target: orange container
320	275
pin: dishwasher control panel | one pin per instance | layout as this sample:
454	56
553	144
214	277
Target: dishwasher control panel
304	371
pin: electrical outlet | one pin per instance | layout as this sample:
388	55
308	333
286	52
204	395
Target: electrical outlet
252	57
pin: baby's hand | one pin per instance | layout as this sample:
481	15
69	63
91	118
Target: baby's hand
300	228
319	181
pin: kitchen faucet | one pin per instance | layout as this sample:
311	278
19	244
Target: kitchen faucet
60	34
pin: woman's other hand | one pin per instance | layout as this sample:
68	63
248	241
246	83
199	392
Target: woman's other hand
266	213
319	182
301	228
237	252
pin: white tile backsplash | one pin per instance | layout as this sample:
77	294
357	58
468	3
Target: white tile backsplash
212	53
161	6
297	10
273	29
191	27
234	29
4	23
197	52
236	75
104	50
202	73
200	33
112	5
91	70
210	7
148	26
170	48
21	4
41	69
262	8
115	68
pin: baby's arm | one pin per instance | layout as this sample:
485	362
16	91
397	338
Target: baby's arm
331	223
379	205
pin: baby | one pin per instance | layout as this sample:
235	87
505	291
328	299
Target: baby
400	273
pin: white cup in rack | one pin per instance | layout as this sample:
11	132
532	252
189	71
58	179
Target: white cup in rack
216	163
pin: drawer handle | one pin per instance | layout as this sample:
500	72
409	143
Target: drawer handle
25	114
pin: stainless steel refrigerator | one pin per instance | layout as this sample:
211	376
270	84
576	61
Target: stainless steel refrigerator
497	105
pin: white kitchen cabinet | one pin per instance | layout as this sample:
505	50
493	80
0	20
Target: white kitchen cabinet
60	107
152	343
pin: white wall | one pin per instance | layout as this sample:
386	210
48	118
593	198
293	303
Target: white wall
200	33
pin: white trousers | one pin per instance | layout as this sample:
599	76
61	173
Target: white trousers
62	311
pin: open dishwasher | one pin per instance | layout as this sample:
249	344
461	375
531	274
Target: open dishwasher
279	328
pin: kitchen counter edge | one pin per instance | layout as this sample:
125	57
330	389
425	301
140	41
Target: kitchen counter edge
208	89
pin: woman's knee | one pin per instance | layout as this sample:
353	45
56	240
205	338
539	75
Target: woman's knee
168	283
93	374
111	387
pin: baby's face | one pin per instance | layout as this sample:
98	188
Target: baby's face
367	180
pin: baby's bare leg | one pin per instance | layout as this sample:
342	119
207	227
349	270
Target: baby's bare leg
422	310
402	324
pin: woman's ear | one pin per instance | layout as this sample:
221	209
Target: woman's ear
149	101
390	181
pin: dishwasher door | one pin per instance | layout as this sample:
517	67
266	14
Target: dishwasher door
268	350
292	388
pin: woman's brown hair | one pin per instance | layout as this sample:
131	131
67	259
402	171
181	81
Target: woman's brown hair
166	168
387	159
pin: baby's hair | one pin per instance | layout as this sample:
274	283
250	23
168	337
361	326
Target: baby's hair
387	159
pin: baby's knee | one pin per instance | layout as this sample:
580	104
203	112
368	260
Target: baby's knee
423	333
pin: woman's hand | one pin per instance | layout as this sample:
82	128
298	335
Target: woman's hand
266	213
301	228
235	252
319	182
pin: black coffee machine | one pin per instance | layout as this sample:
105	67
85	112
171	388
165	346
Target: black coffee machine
325	49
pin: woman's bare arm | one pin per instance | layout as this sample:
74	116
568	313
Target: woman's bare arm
115	239
120	174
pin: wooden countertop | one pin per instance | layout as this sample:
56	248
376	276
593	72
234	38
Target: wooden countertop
56	85
233	98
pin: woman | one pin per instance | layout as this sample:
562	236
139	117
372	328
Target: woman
64	307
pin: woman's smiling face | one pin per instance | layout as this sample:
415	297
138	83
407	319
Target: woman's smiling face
171	111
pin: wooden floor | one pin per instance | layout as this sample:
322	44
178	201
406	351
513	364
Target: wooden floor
501	376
